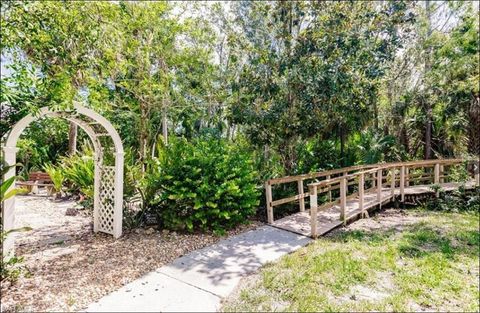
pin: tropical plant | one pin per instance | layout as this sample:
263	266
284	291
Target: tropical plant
7	184
205	184
56	175
79	171
10	267
375	148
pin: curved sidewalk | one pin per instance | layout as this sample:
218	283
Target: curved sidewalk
198	281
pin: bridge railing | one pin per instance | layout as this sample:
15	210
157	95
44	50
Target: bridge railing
336	187
300	180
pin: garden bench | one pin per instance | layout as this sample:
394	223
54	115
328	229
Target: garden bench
35	180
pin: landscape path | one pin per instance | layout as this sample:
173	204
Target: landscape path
198	281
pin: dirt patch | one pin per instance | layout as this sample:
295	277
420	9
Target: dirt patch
72	267
392	219
382	289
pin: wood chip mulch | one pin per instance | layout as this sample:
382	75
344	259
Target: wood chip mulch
79	269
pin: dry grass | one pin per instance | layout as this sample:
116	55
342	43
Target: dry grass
395	261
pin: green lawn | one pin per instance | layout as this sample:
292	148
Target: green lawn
396	261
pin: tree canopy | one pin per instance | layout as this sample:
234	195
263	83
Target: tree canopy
307	85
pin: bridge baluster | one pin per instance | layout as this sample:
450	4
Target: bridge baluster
268	194
402	183
313	211
300	193
343	199
392	181
379	186
361	189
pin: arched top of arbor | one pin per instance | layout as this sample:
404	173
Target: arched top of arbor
77	115
108	185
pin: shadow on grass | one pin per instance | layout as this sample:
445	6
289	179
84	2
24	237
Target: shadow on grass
416	241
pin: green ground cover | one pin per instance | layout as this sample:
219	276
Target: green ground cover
396	261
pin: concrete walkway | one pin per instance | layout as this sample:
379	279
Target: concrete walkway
198	281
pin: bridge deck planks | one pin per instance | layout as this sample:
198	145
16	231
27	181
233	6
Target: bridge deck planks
329	218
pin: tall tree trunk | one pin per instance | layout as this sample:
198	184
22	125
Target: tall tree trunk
342	147
404	137
165	126
428	131
143	135
427	104
72	138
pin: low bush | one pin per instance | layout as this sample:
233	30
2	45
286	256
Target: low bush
455	201
205	184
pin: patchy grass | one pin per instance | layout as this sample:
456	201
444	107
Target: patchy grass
397	261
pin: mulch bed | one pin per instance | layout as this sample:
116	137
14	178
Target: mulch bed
70	273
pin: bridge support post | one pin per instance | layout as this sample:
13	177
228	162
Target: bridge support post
343	200
402	184
442	171
329	189
300	193
392	181
313	211
436	178
407	176
379	187
361	191
268	195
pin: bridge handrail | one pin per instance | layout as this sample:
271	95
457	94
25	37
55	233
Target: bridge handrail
382	166
375	170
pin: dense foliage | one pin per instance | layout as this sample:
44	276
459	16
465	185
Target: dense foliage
203	184
457	201
304	85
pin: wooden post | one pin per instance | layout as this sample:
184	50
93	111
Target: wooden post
329	190
343	200
392	181
402	184
379	186
436	177
301	192
268	194
361	190
407	176
313	211
374	179
442	172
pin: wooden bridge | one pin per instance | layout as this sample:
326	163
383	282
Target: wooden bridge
340	195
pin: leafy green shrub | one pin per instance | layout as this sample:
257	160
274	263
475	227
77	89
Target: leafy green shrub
205	184
30	155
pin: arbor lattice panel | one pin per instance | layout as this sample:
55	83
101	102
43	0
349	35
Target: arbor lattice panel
107	199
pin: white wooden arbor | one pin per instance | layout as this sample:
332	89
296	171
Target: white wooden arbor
108	186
